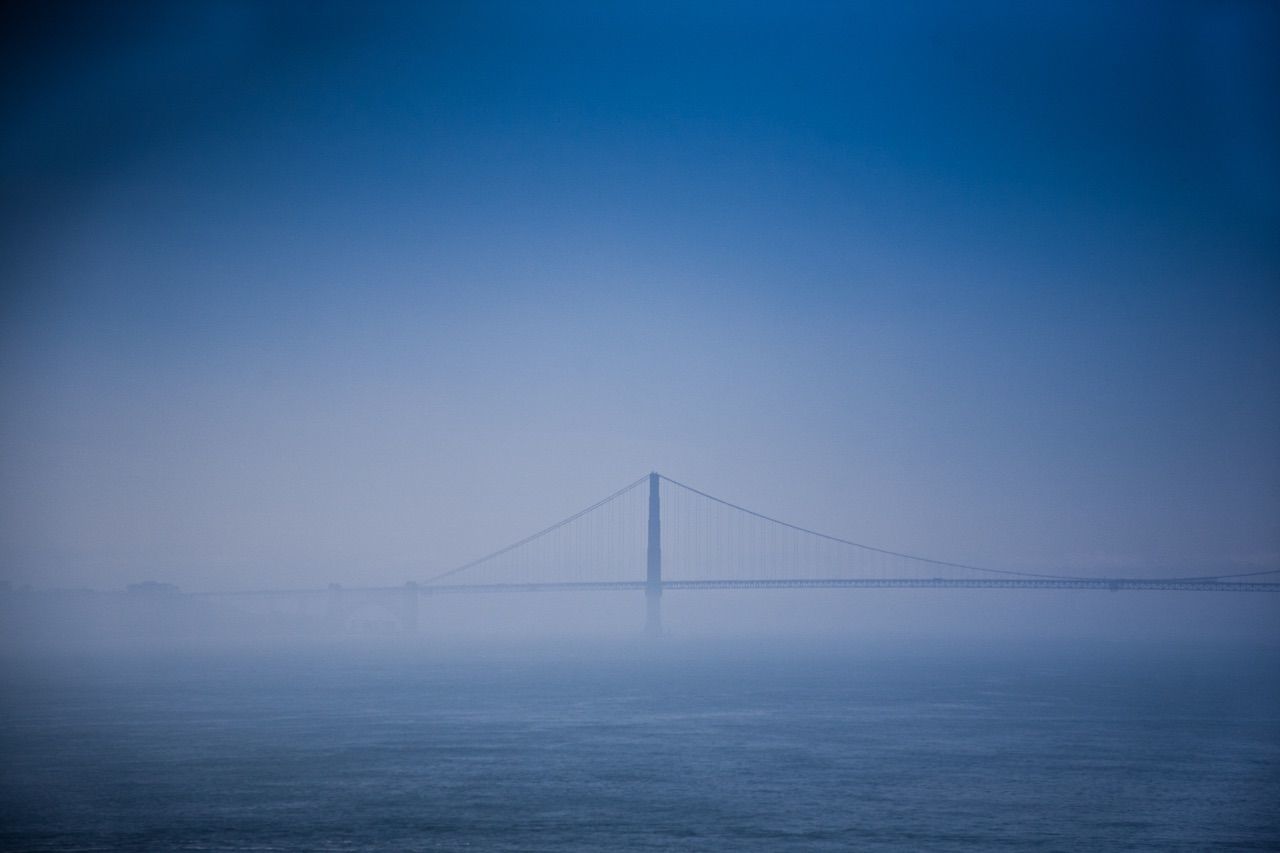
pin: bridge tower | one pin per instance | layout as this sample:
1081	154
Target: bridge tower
653	578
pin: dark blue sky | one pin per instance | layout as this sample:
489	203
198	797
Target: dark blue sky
302	287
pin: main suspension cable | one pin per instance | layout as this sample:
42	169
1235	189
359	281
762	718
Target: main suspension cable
539	534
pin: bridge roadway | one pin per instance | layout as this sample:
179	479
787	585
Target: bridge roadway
341	603
869	583
1114	584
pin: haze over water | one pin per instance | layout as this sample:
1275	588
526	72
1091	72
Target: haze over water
294	295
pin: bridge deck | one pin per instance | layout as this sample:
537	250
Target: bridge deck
1114	584
869	583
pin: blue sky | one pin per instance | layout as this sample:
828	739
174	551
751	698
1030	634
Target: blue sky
292	289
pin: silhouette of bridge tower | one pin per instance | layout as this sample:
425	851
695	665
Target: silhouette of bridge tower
653	561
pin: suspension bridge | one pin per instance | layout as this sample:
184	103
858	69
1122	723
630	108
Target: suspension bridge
656	535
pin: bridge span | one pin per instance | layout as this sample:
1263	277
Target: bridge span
656	535
1112	584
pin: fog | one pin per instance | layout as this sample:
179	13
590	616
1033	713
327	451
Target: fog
332	334
299	297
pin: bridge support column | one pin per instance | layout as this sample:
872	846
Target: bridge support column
409	608
653	577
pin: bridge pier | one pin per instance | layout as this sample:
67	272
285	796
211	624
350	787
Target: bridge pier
408	610
653	577
398	603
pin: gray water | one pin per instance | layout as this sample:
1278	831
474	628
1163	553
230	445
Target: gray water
628	747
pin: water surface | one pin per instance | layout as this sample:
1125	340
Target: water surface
691	747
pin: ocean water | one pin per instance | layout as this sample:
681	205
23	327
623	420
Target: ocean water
716	747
